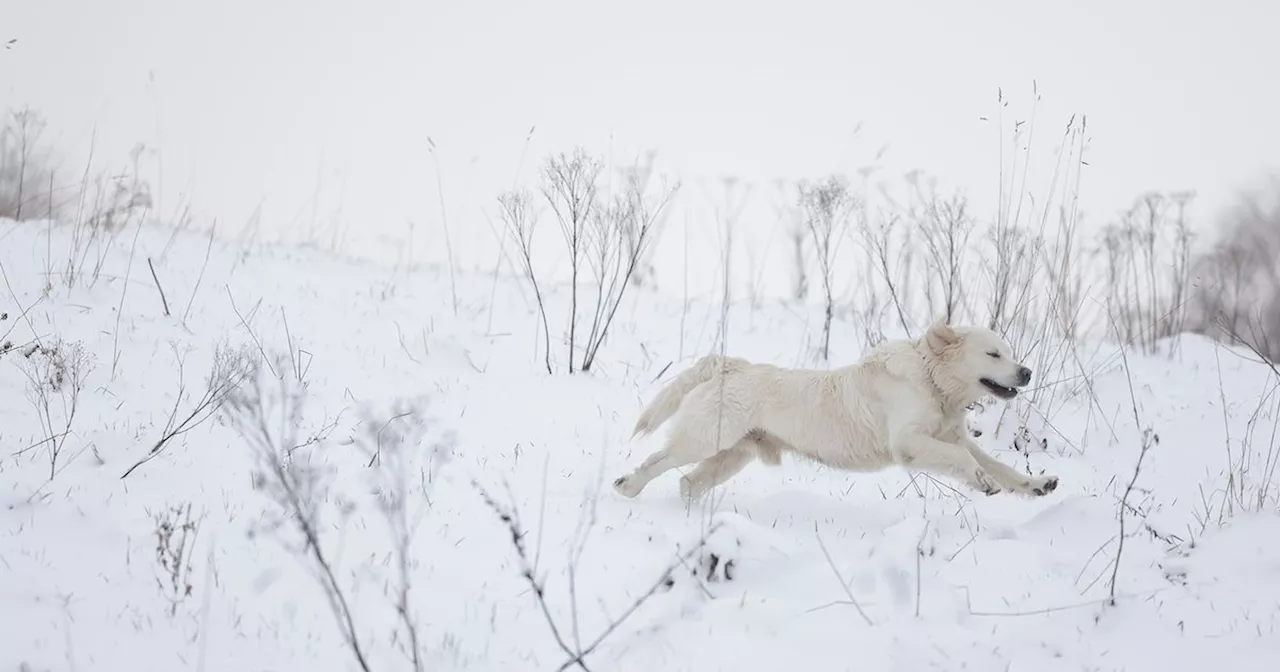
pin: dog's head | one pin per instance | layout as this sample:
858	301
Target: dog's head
973	362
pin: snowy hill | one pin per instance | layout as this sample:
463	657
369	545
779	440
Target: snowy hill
357	395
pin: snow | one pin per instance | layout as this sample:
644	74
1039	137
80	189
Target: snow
935	576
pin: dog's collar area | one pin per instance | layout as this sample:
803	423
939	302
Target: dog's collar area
951	400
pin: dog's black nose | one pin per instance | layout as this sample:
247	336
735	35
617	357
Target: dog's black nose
1024	375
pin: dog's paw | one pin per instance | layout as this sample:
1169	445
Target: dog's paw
626	487
1043	486
985	484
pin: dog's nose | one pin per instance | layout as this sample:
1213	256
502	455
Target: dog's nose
1024	375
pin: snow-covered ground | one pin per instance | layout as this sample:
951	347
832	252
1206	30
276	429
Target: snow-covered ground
830	570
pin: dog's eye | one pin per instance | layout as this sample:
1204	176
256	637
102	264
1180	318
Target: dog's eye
994	354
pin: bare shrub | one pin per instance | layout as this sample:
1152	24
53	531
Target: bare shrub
1249	486
1021	292
828	207
231	367
1147	256
99	206
1149	440
609	236
893	269
567	635
1038	282
1065	263
26	176
1014	276
267	413
944	225
622	231
108	204
391	445
520	220
800	288
56	375
307	499
569	184
645	274
792	221
1237	298
176	535
1011	263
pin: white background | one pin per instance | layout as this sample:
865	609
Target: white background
318	113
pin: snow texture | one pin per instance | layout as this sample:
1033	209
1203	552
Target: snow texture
802	567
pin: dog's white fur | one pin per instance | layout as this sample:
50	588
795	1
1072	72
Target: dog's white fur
903	403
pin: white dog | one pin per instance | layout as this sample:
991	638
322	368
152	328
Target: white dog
903	403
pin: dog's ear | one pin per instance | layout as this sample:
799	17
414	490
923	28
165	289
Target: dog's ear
941	336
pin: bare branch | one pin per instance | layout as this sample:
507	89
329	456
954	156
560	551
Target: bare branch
231	367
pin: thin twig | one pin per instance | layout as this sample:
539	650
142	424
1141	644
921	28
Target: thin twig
511	520
261	351
229	371
1148	437
844	586
115	339
163	300
24	315
21	316
208	248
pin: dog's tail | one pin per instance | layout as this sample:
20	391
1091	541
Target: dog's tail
668	399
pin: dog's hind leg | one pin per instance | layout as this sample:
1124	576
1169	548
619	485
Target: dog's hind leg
653	466
769	448
691	440
717	469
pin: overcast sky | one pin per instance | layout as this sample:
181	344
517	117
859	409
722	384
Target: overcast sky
254	103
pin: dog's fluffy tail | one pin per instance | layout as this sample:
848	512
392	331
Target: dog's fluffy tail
668	399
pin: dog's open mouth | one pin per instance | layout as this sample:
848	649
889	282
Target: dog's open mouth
998	389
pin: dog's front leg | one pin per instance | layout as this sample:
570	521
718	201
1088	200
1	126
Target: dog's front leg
1008	477
920	451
